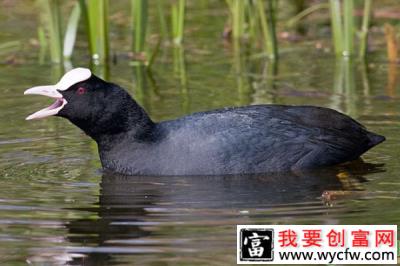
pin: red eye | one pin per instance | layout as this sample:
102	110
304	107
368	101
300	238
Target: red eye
81	91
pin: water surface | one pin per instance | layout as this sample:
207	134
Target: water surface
58	207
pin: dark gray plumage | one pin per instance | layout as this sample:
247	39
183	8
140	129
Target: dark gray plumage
252	139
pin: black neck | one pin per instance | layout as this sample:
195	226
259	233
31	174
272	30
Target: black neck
135	124
126	119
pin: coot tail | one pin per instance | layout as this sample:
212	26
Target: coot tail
375	139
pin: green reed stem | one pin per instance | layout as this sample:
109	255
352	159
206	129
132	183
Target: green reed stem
43	43
268	27
181	19
336	23
97	15
229	3
338	87
56	32
238	18
50	17
348	30
237	11
350	86
178	20
271	14
140	83
85	17
162	19
139	20
253	19
364	28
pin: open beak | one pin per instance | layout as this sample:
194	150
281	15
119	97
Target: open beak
49	91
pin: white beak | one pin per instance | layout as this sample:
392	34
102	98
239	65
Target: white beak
49	91
70	78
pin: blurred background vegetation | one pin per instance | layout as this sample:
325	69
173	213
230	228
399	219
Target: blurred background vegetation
254	34
265	43
138	29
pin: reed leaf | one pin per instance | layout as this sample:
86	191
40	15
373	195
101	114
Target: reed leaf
364	28
70	32
306	12
50	18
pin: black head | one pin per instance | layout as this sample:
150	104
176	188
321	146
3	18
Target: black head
97	107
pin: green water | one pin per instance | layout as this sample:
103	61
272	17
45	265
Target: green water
56	206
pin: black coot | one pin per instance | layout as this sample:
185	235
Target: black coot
239	140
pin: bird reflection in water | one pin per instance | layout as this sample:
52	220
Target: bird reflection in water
139	215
